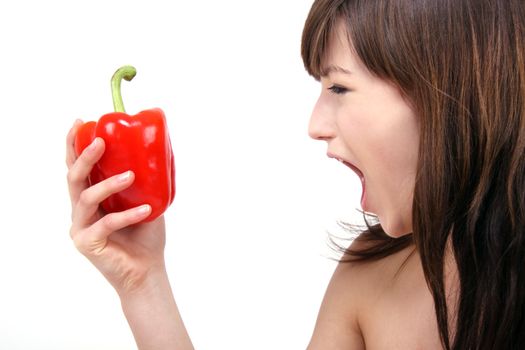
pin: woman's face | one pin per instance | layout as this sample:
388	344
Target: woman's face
370	127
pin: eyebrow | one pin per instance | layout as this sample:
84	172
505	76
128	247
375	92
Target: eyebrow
325	71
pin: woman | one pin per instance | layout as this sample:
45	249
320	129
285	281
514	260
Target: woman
425	101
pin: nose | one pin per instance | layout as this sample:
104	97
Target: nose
321	126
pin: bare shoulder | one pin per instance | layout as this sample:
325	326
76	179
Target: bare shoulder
353	286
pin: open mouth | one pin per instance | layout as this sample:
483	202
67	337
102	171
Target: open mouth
361	177
355	169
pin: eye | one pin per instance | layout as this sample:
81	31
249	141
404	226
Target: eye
338	90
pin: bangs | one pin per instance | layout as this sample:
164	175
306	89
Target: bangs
318	30
376	31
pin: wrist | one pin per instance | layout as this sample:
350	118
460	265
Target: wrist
153	315
153	296
150	283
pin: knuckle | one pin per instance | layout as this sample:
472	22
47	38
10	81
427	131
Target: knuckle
85	160
72	176
85	198
109	221
86	245
80	244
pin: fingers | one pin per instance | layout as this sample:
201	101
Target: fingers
78	173
93	240
90	199
70	143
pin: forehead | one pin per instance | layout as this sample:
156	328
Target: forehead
339	53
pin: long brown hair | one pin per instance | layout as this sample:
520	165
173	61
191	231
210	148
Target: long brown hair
461	64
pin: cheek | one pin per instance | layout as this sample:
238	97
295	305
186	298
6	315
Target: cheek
393	136
385	144
395	146
356	123
382	136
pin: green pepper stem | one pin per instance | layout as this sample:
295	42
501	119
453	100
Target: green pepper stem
125	72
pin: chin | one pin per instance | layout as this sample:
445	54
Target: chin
395	228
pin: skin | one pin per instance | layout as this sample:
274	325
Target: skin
365	121
374	305
383	304
131	258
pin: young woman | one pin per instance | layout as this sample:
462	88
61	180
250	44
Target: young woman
425	101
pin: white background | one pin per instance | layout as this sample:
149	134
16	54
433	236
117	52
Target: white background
247	246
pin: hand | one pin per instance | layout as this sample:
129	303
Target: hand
125	251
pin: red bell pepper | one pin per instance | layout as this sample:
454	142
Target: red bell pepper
140	143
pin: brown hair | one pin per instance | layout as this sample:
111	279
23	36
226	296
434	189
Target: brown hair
461	65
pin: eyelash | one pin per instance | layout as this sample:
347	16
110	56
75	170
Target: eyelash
338	90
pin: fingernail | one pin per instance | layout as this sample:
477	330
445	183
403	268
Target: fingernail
77	121
143	209
124	176
94	144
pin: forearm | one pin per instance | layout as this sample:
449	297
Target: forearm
154	317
